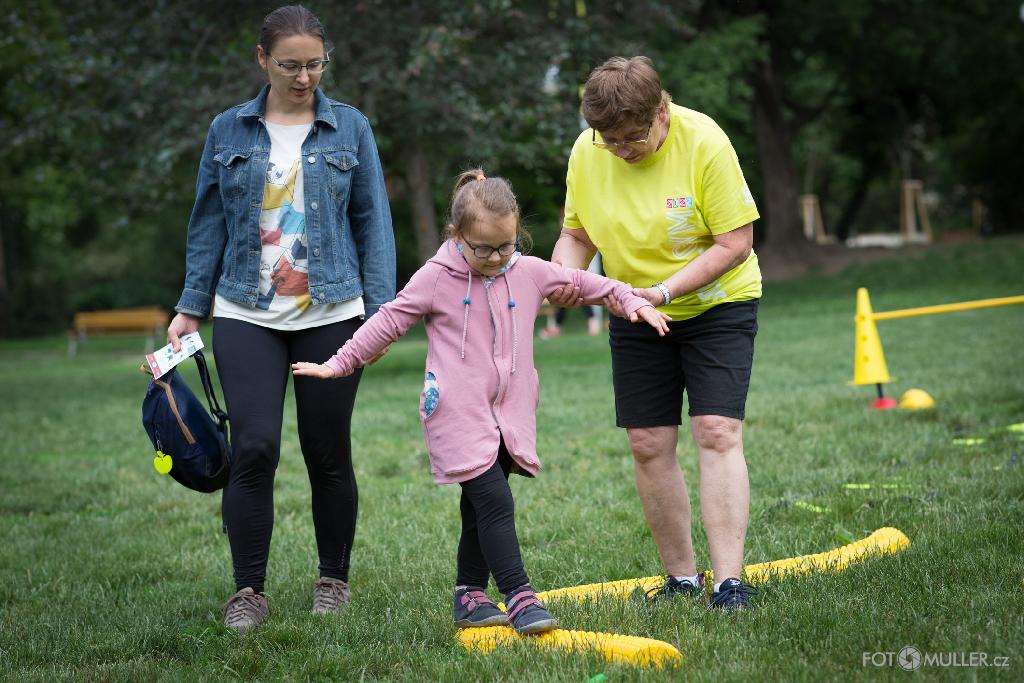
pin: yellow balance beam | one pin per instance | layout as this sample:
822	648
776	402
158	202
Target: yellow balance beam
948	308
617	649
882	541
647	651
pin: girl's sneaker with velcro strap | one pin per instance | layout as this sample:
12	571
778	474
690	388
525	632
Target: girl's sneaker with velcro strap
472	608
526	614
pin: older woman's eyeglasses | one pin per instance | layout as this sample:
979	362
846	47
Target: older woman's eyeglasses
604	144
483	251
313	68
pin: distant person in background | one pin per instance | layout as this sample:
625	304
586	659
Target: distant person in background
657	188
593	313
290	244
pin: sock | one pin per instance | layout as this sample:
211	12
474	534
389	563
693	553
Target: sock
695	579
718	585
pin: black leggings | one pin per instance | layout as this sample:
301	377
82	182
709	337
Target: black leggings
489	543
253	363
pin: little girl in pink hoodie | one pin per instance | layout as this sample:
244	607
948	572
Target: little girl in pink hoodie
479	297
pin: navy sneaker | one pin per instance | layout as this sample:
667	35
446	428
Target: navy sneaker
731	595
472	608
673	587
526	614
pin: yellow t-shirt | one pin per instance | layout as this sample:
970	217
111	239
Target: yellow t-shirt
650	219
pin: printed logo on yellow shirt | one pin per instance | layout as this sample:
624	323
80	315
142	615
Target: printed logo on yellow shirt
679	203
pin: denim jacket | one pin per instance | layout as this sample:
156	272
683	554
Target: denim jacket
348	220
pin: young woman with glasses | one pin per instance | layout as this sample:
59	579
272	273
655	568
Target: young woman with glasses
290	247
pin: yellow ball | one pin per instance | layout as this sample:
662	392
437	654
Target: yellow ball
916	399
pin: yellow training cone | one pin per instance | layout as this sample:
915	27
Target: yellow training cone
868	360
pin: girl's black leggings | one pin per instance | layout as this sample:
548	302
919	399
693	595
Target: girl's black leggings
489	544
253	364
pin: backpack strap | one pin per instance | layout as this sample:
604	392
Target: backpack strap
211	396
222	421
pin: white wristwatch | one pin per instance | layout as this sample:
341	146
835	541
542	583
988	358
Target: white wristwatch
665	293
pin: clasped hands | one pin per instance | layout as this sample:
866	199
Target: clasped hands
568	296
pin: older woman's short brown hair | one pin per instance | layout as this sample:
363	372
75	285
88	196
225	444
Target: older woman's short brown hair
622	92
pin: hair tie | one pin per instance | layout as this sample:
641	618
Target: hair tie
481	177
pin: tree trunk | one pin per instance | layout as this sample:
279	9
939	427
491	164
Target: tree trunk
774	138
424	214
853	205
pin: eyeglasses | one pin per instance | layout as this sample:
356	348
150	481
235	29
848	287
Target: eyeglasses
313	68
624	143
484	251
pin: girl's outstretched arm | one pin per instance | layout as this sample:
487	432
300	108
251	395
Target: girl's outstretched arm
318	370
392	321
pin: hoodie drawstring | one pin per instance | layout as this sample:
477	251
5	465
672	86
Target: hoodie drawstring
511	307
515	331
465	315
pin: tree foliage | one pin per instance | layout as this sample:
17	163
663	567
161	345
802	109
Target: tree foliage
452	85
104	108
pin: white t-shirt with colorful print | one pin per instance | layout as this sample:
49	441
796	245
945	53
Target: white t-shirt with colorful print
652	218
284	302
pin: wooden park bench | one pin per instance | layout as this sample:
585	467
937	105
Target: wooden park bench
148	320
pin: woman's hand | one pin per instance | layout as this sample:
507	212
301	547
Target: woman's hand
182	324
652	317
566	296
652	294
613	306
318	370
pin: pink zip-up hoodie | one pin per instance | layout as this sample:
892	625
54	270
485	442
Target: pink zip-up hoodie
480	385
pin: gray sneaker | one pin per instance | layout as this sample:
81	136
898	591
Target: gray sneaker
245	610
330	595
471	607
526	614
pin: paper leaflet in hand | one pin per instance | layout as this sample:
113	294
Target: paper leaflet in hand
164	359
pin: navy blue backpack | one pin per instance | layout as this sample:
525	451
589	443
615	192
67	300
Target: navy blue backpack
191	446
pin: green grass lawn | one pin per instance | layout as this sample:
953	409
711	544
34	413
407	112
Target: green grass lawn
111	572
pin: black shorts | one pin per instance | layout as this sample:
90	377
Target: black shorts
708	356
